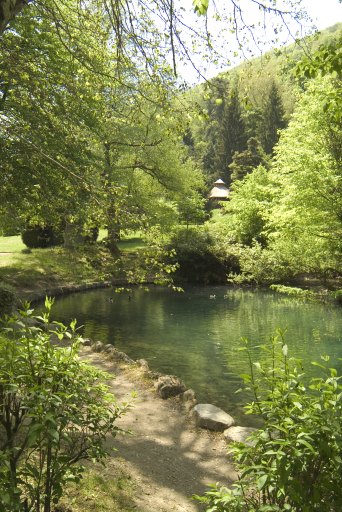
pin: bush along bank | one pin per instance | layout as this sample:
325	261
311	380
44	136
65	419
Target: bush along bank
50	423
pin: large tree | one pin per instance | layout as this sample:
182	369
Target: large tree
75	138
306	216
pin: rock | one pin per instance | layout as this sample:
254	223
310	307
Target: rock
123	357
143	364
212	417
154	375
239	434
108	348
98	346
87	342
169	385
188	399
113	354
189	394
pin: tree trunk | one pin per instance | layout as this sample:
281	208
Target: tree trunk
72	235
8	10
113	224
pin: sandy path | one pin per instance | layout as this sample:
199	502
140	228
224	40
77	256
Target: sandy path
167	456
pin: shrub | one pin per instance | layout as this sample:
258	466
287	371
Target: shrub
55	412
41	236
338	296
197	258
8	299
295	463
260	266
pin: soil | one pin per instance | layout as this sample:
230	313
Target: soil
167	456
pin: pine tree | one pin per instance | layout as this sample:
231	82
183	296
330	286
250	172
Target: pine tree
273	119
225	133
246	161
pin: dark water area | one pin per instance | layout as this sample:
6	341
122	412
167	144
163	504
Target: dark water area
197	334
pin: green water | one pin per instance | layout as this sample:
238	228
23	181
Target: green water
197	336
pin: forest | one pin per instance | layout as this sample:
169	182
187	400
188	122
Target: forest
99	133
87	143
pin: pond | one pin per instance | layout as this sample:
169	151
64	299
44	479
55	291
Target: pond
197	334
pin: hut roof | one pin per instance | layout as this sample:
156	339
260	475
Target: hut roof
219	191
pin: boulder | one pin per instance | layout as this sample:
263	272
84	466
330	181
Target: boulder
87	342
239	434
188	395
98	346
108	348
212	417
169	385
123	357
188	399
154	375
143	364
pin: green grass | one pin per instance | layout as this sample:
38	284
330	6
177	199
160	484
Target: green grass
102	489
52	267
131	244
11	244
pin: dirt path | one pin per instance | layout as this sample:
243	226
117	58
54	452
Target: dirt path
167	456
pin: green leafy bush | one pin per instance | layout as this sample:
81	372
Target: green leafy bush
8	299
91	235
295	462
55	411
338	296
197	258
260	266
41	236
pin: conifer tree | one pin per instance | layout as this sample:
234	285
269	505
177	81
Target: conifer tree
233	131
246	161
273	119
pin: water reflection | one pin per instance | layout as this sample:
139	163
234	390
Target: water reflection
197	337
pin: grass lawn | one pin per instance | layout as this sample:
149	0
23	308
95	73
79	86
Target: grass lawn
51	267
10	244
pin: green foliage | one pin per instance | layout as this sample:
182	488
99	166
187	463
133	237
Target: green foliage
273	119
197	259
8	299
259	265
286	220
56	412
41	236
83	143
295	461
246	211
305	218
338	296
326	59
293	291
245	162
200	6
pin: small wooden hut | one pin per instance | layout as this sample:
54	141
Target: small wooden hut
219	192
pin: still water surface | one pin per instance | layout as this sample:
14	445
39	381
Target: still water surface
197	334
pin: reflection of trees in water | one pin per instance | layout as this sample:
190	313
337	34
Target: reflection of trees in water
198	338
